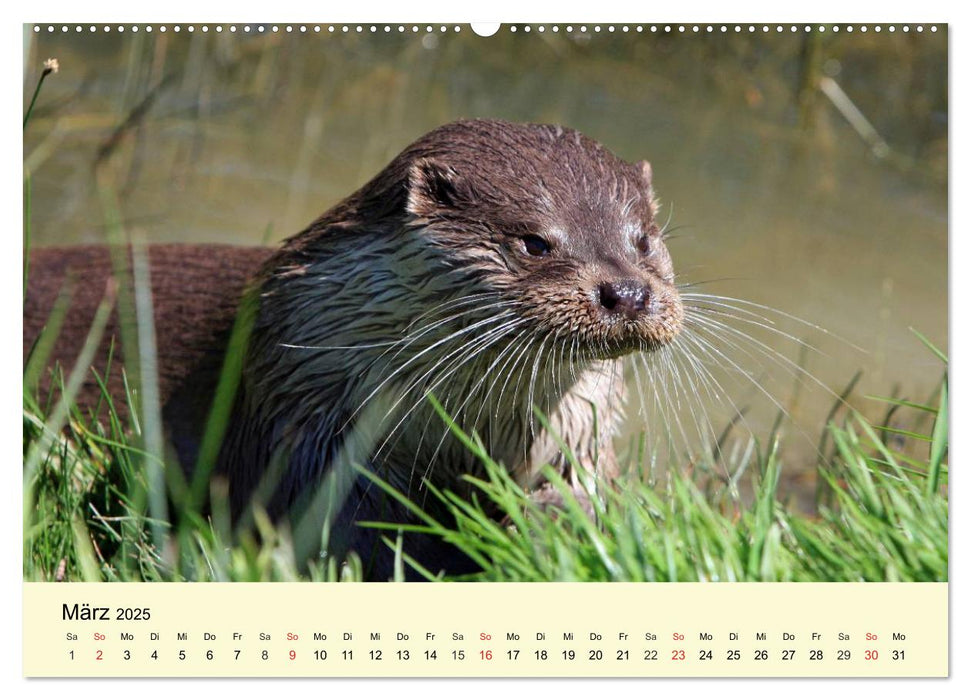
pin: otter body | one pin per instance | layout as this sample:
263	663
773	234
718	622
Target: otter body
195	293
501	268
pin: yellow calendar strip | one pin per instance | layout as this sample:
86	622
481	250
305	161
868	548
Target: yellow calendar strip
485	630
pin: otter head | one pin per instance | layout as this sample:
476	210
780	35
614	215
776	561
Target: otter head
562	232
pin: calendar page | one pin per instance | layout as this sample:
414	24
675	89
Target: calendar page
595	349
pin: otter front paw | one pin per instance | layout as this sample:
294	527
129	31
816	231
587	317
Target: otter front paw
548	497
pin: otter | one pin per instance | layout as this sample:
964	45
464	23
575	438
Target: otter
503	269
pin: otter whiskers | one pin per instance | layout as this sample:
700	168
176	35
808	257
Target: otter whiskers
679	377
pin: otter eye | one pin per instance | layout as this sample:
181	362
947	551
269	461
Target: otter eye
536	246
644	246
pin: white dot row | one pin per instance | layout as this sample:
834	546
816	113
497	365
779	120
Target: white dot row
569	29
259	29
724	28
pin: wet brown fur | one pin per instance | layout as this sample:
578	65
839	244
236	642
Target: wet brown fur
195	293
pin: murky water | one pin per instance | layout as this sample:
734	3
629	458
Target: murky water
778	199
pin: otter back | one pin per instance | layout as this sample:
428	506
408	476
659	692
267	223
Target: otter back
195	292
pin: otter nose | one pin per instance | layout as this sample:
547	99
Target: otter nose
628	297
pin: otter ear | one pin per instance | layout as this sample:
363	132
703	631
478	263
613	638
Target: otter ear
432	187
647	174
647	179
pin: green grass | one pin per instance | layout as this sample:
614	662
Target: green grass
882	515
887	522
87	515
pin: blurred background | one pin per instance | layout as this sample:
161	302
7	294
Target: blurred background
805	172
